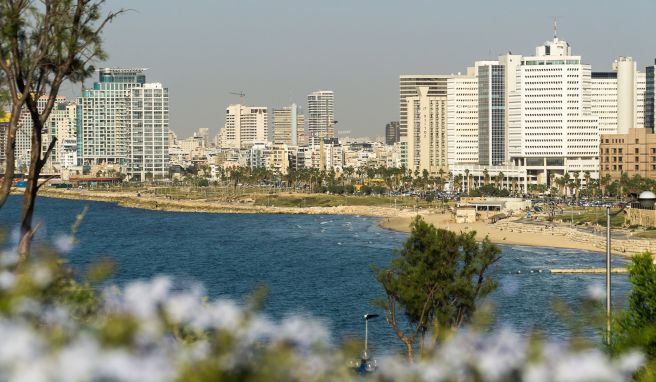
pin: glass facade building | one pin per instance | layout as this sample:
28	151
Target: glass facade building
491	115
124	121
649	97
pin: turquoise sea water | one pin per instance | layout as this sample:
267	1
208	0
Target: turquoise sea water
317	265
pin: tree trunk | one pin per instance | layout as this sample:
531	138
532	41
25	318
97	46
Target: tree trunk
31	189
409	351
10	155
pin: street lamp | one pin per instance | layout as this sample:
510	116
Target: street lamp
365	366
608	268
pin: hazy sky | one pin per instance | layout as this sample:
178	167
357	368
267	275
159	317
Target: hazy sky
279	51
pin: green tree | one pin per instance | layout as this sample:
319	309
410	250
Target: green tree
636	326
436	279
43	44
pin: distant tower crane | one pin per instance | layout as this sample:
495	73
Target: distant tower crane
241	95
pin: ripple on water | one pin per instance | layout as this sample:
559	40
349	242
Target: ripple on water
311	264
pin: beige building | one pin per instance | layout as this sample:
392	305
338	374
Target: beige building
426	139
633	153
277	158
288	126
244	126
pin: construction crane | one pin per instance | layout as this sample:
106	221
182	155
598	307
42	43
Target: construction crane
241	95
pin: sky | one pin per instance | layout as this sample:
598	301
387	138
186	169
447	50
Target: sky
279	51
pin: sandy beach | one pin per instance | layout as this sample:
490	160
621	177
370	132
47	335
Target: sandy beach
496	235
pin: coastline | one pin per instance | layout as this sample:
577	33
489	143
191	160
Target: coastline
155	203
493	233
508	232
513	232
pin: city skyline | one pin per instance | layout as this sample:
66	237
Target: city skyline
366	50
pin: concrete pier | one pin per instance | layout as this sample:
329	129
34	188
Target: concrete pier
588	270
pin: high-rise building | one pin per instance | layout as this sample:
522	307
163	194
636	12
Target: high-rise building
641	90
122	113
462	119
288	126
103	117
61	124
392	133
426	139
603	100
244	126
321	113
551	128
408	85
650	100
626	94
491	114
148	152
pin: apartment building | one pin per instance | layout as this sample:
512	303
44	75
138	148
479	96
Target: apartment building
289	126
462	119
425	143
321	113
244	126
123	121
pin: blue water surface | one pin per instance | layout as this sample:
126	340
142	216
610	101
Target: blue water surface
317	265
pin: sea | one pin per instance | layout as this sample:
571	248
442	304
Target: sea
316	266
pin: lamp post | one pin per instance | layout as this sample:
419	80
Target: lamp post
608	269
365	366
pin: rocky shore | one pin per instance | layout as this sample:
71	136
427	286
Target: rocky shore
149	202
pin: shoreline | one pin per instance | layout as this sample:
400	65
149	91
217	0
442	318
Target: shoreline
484	230
506	232
513	232
154	203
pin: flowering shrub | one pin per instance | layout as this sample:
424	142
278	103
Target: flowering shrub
54	328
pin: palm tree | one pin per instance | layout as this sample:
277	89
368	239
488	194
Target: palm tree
467	177
604	182
500	177
486	177
457	182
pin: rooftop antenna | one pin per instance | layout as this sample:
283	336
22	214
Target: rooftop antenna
555	28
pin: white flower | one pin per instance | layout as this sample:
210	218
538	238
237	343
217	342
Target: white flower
64	243
596	292
7	280
41	275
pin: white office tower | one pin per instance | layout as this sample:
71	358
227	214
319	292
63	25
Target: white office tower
426	138
641	90
626	94
244	126
148	153
462	119
321	113
604	100
551	128
288	126
124	121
